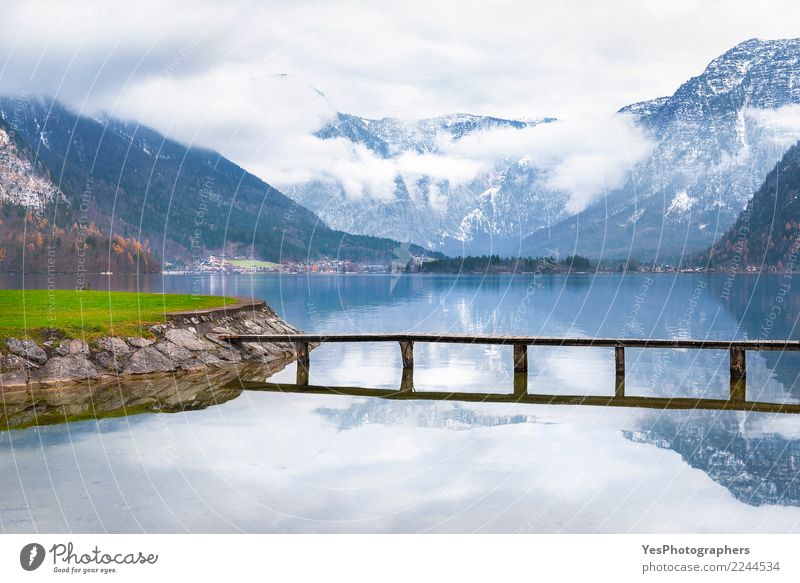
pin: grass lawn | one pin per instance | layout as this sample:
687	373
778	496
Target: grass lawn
253	263
91	314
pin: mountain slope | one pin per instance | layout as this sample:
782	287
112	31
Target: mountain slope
494	211
767	232
185	202
713	146
713	149
41	232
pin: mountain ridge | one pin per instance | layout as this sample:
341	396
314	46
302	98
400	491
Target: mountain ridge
181	201
711	152
432	212
712	149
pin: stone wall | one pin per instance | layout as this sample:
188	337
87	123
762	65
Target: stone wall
189	342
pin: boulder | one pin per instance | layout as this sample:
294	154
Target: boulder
209	359
14	370
187	339
252	327
13	379
14	363
254	348
140	342
173	351
215	339
72	346
114	345
229	355
109	361
27	349
193	366
148	360
75	367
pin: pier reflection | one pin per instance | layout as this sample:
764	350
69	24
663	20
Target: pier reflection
406	391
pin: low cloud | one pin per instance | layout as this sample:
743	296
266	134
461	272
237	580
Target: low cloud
267	124
198	72
783	123
584	157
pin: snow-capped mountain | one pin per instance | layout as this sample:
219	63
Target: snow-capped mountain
478	184
717	138
492	211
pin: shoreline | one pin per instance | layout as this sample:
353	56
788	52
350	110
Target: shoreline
187	342
395	274
481	273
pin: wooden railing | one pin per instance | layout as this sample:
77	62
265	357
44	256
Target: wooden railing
737	351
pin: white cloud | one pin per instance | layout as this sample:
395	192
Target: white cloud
267	123
203	73
584	157
439	167
783	123
504	58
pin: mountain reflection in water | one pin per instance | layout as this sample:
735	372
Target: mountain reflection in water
420	414
750	455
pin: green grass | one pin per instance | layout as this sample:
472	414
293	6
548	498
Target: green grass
253	263
91	314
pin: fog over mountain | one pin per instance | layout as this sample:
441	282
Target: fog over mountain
665	177
656	179
716	139
122	185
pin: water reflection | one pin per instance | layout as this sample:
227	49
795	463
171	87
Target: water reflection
124	397
735	401
752	456
455	417
284	462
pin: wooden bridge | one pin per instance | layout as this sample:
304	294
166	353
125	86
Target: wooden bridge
737	349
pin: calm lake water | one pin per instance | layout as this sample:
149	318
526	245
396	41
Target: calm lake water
269	462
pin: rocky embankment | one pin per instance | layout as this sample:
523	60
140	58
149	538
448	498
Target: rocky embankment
25	406
188	342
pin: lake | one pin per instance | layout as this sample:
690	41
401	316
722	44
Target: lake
280	462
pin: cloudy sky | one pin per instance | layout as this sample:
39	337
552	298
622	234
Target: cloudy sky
208	73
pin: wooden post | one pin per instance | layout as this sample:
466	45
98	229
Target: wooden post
303	362
302	376
619	367
520	384
407	380
407	352
520	358
738	390
738	364
738	375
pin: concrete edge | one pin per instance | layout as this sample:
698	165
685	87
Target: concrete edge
242	303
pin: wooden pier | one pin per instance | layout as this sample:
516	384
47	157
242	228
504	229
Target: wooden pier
737	351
